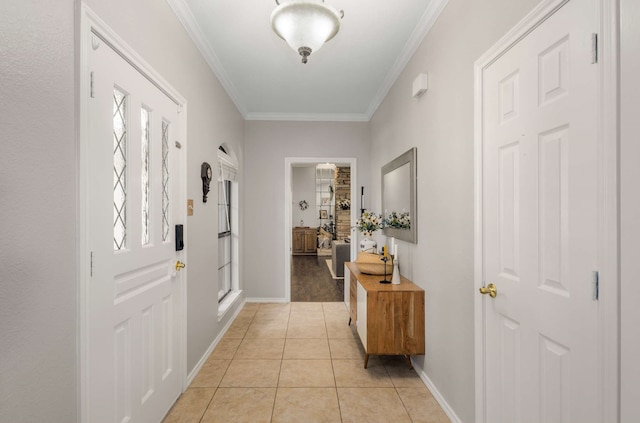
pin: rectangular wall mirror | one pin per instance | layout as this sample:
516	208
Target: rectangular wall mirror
399	197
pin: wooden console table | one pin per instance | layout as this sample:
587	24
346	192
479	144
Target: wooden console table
389	318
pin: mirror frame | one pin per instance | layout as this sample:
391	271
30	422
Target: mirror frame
410	157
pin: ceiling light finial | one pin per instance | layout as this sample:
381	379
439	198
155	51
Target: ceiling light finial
304	52
305	24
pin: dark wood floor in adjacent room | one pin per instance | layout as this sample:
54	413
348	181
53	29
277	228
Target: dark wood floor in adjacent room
312	281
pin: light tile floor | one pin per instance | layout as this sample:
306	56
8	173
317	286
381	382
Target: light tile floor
301	362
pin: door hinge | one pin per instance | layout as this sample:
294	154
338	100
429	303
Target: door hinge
91	264
594	48
91	86
596	285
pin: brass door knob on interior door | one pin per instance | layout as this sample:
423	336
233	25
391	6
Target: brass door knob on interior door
179	265
490	289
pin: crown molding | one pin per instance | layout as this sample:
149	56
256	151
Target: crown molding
425	24
309	117
185	16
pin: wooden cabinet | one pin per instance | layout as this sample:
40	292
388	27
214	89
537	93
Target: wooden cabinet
297	241
389	318
353	300
304	241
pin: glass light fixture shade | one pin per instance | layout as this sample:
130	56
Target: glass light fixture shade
305	25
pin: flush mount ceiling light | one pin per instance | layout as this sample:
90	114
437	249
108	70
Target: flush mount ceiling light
305	24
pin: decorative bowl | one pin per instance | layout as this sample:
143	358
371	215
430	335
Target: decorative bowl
372	264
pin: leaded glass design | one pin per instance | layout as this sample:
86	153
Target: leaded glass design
165	181
144	171
119	170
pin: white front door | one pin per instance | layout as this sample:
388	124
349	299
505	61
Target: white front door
540	224
133	293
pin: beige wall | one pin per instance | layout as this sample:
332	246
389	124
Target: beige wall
303	187
440	125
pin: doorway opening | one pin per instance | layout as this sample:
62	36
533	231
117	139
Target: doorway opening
318	219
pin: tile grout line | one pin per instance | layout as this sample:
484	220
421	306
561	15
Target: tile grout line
209	403
326	316
402	401
395	388
235	352
225	371
275	397
332	366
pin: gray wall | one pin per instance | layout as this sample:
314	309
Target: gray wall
630	208
38	191
38	206
266	146
303	187
440	125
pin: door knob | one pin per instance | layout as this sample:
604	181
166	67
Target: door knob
179	265
490	289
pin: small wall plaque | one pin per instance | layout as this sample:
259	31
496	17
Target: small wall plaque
190	207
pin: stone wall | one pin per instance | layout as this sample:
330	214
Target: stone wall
342	192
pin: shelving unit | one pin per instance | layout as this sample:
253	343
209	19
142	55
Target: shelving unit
325	195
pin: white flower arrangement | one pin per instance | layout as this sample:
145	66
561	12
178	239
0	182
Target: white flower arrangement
397	220
369	222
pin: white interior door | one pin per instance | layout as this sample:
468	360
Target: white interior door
540	224
133	308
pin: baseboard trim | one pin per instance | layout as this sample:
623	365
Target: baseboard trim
266	300
436	394
192	375
228	303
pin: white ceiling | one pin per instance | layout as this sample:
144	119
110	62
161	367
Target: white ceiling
344	81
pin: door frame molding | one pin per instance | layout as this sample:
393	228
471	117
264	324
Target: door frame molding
88	21
608	199
288	225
